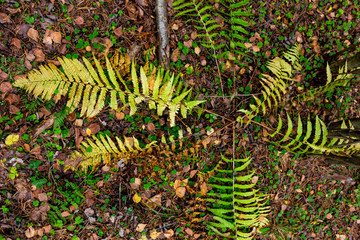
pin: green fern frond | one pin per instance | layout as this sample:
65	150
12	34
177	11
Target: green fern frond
275	87
313	140
342	80
90	87
236	204
104	150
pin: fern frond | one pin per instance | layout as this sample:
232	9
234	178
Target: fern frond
275	87
236	205
103	150
312	141
91	87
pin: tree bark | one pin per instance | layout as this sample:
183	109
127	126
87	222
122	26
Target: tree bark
162	27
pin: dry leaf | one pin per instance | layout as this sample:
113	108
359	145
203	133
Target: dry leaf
5	88
118	31
154	234
65	214
175	55
168	234
136	198
256	49
180	192
189	231
140	227
203	189
3	75
47	40
248	45
42	197
197	50
150	127
4	18
12	98
12	139
16	42
30	232
79	21
40	56
33	34
56	37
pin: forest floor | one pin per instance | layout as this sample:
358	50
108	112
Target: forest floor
309	198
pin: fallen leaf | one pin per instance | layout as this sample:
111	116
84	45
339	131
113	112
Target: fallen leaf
12	98
140	227
136	198
175	55
256	49
65	214
12	139
40	56
93	128
13	109
248	45
180	192
189	231
16	42
5	88
150	127
42	197
45	124
120	115
47	228
169	233
56	37
118	31
154	234
36	150
4	18
3	75
33	34
47	40
203	189
30	232
79	21
197	50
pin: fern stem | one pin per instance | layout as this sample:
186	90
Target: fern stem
212	45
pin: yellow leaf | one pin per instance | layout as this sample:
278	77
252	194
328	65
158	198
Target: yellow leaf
88	131
11	139
136	198
154	234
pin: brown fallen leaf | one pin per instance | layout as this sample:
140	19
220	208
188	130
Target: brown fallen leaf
169	233
203	189
79	20
56	37
12	98
180	192
47	228
16	42
118	31
13	109
140	227
5	88
150	126
65	214
30	232
36	150
189	231
39	54
33	34
3	75
4	18
175	55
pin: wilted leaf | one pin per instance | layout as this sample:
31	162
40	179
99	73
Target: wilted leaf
118	31
136	198
3	75
5	88
175	55
140	227
12	139
16	42
4	18
30	232
203	189
180	192
33	34
56	37
40	56
154	234
169	233
79	21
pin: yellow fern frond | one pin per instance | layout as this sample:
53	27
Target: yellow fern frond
89	87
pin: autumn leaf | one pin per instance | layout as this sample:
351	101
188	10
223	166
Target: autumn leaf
11	139
136	198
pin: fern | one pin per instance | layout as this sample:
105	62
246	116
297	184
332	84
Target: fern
236	205
103	150
275	87
342	80
312	139
89	87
